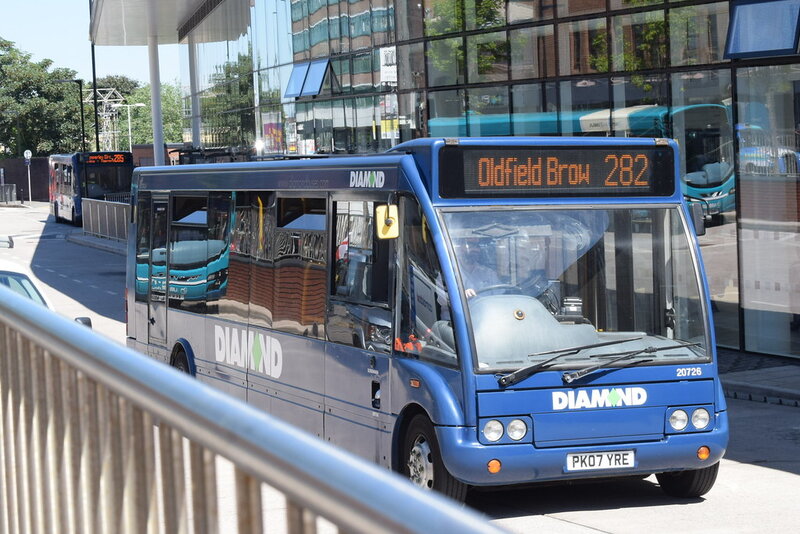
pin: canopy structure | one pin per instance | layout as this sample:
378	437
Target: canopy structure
146	23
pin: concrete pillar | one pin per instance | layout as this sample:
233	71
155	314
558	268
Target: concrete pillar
155	86
194	90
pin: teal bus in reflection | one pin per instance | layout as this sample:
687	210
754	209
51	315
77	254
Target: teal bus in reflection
703	133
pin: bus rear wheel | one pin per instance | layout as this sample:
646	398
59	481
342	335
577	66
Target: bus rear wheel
688	484
181	362
422	460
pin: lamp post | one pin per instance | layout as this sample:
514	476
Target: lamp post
129	106
80	103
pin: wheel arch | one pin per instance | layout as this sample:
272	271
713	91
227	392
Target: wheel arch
183	346
400	427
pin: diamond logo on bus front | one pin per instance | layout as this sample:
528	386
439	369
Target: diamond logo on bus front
599	398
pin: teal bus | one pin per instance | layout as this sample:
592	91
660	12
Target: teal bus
703	133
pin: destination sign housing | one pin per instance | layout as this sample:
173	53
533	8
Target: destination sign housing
556	171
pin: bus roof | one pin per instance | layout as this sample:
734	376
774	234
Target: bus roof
394	170
369	172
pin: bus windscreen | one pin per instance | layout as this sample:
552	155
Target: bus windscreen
556	171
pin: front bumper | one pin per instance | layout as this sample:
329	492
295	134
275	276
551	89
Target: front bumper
466	459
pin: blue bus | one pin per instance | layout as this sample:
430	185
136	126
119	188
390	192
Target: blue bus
467	312
95	175
703	132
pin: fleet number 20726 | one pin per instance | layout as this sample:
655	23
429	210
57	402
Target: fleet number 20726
689	371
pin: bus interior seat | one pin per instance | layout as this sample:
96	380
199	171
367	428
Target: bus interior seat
442	332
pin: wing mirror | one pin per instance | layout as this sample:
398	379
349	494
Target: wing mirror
388	222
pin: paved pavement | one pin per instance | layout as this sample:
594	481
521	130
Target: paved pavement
745	375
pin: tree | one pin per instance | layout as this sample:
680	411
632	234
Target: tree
124	85
38	111
141	117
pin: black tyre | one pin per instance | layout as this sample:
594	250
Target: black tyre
688	484
181	362
55	213
422	461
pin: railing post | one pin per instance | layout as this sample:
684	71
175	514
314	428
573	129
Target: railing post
204	486
26	436
112	480
299	520
248	498
90	455
172	480
39	442
71	454
7	481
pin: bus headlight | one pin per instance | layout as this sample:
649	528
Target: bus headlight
493	430
517	429
679	419
700	418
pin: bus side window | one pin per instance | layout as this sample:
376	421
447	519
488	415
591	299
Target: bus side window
361	270
234	294
143	218
359	314
426	329
217	249
188	253
300	260
262	271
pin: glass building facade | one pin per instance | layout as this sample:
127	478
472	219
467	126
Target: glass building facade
360	76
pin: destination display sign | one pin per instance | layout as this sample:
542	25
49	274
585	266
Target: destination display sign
107	158
545	171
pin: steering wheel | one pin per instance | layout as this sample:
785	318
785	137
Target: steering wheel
496	287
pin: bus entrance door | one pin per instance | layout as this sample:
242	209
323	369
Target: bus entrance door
157	309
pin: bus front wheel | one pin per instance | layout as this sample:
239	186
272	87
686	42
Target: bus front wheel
422	461
688	484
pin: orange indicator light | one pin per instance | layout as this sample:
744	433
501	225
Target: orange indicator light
703	453
494	466
413	382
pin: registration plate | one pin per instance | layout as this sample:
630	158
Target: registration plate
588	461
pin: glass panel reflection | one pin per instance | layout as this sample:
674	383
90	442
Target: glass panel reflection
583	47
445	59
487	57
697	33
533	52
639	41
769	189
488	111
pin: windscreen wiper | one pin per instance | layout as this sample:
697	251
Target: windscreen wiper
575	375
525	372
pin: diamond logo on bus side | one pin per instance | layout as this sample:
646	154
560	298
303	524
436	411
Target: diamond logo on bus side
257	352
614	397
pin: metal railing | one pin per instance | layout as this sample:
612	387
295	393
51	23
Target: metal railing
98	438
105	219
8	193
118	197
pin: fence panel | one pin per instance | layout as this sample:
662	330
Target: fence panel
106	219
8	193
97	438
